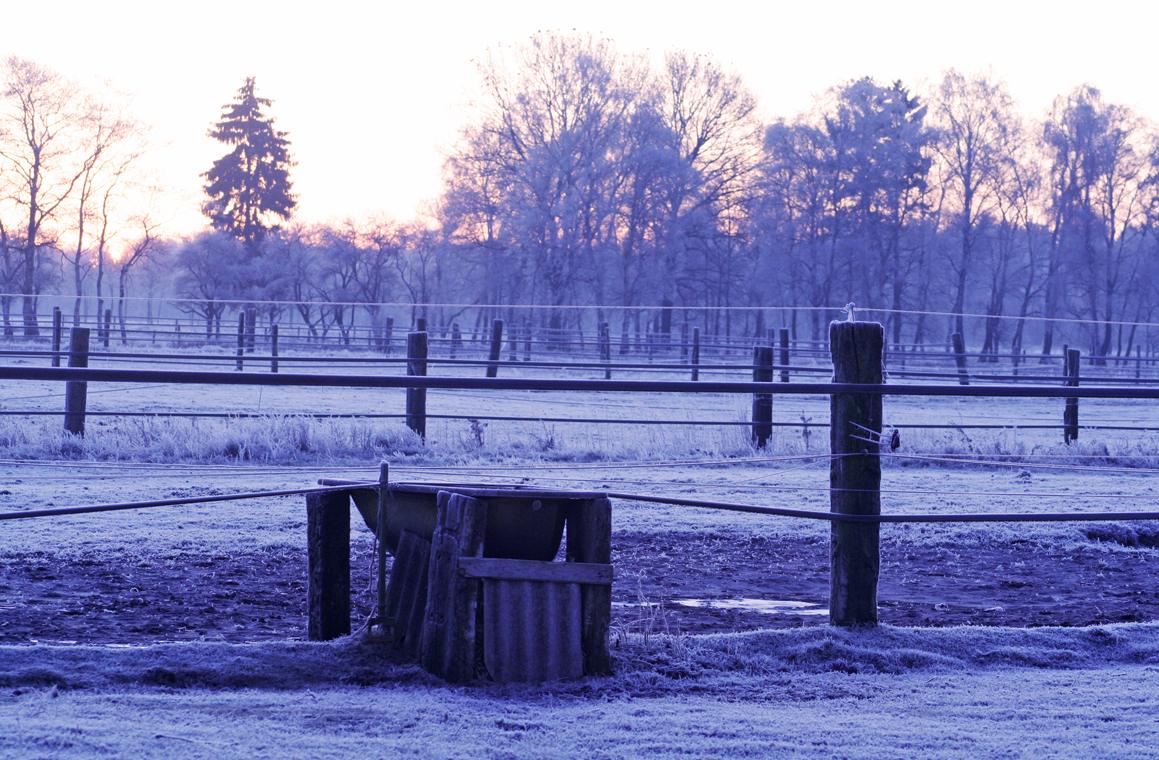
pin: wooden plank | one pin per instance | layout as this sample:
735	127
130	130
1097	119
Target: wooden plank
589	540
855	473
450	633
529	570
328	560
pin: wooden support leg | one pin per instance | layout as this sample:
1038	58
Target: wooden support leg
589	539
328	542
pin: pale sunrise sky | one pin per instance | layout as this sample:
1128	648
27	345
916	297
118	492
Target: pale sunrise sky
371	93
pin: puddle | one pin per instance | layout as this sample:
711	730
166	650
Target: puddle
765	606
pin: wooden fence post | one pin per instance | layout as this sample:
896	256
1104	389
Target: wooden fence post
57	329
240	338
389	335
456	338
76	391
784	354
683	342
421	324
606	349
108	326
1070	414
527	340
1138	361
762	402
416	398
328	556
960	358
274	348
178	331
513	342
251	318
695	354
496	347
449	638
855	473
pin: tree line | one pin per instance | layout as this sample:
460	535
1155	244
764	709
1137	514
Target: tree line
586	175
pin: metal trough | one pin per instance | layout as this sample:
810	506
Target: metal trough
522	523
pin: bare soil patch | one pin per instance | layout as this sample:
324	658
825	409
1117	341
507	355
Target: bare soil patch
261	595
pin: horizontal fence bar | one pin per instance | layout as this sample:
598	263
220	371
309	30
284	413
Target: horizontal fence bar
62	511
543	384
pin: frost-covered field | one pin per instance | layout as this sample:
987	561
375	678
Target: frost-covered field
810	692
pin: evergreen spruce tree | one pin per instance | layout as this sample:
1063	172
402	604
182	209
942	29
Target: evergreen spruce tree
250	186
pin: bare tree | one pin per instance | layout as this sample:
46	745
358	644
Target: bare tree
44	121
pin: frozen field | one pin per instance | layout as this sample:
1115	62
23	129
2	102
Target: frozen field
921	686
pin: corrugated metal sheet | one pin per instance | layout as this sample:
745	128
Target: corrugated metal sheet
406	594
531	630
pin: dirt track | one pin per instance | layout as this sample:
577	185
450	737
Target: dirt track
262	595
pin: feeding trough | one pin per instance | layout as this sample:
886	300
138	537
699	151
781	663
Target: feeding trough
522	523
477	571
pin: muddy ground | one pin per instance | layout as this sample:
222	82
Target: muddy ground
176	596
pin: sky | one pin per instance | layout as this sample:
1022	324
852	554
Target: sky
372	94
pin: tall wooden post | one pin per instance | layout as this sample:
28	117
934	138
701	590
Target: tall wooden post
389	334
695	354
762	402
251	318
274	348
57	329
1070	414
784	354
606	349
496	347
328	557
456	338
416	398
240	339
76	391
960	358
108	326
855	473
527	340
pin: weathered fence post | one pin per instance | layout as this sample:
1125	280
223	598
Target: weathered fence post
416	398
960	358
683	342
108	326
1070	414
855	473
178	331
513	342
328	557
389	334
762	402
695	354
1138	361
251	319
76	391
496	347
274	348
421	324
606	349
240	338
456	338
527	340
784	354
57	329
